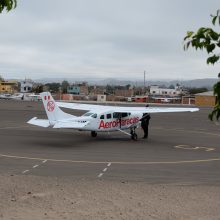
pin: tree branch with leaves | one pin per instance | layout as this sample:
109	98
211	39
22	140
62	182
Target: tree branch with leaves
8	5
205	38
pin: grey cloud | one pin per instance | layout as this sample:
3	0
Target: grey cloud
123	36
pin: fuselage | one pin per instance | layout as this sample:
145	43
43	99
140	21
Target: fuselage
111	121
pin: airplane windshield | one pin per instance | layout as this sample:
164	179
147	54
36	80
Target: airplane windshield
94	115
88	114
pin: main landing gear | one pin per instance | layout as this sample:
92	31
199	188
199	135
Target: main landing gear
133	134
93	133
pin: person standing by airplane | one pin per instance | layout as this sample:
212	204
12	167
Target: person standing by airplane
145	123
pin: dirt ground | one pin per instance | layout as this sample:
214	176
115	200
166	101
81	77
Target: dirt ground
32	197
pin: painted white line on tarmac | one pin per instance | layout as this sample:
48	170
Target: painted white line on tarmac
35	166
100	175
117	162
189	147
104	170
25	171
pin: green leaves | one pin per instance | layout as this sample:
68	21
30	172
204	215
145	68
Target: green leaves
210	48
204	38
213	59
216	111
7	4
216	17
213	35
208	39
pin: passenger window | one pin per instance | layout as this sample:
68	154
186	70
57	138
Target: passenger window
102	117
109	116
115	115
123	115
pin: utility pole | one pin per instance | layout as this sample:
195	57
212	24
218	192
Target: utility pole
144	78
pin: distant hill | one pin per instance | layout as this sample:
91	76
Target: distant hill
208	82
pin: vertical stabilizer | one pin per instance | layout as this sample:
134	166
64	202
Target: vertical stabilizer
54	113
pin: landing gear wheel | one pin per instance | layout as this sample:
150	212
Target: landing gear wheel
93	134
134	136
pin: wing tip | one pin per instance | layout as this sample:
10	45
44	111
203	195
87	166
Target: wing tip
195	110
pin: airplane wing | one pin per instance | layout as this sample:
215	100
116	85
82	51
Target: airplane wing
150	109
162	109
121	109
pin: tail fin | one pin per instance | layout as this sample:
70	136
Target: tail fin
54	113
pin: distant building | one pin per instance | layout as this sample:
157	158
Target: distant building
141	98
205	99
124	92
101	98
188	100
8	86
84	89
74	89
157	91
78	89
95	90
26	86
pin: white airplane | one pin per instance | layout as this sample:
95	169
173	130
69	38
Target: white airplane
33	97
16	96
5	96
98	118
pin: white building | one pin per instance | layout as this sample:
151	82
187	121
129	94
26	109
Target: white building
26	86
157	91
101	98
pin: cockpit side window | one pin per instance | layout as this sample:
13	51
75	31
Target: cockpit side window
94	115
102	117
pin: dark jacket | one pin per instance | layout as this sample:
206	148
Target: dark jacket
145	119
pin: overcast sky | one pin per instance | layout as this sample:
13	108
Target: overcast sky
104	38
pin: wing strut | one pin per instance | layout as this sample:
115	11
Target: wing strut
132	134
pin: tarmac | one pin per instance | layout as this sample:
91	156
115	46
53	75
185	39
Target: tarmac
182	148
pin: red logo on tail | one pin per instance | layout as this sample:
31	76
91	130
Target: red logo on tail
50	106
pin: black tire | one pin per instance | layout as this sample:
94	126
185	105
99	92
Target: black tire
93	133
134	136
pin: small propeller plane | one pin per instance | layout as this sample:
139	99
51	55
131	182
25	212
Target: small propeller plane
98	118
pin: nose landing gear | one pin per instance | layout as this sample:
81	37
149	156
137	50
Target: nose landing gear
133	134
93	133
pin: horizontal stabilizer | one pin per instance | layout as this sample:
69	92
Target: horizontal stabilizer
70	124
39	122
